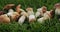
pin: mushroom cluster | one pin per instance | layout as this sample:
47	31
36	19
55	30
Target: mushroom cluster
20	15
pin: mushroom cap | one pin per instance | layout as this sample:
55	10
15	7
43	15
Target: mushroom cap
44	9
29	9
57	5
8	6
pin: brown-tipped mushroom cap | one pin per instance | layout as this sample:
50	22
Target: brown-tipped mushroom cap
18	8
8	6
52	13
44	9
57	5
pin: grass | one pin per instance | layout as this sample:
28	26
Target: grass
52	25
